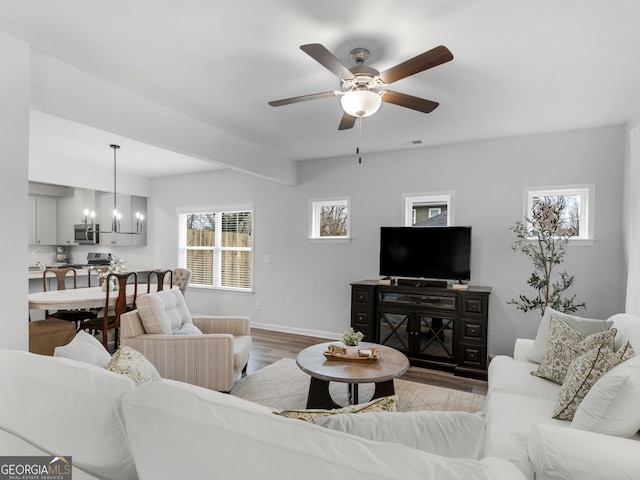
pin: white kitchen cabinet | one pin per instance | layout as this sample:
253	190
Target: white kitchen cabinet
127	205
43	221
85	199
66	219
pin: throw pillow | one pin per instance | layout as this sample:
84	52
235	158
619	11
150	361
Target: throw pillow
628	328
565	344
625	352
582	374
188	329
384	404
611	406
585	326
450	434
134	365
84	348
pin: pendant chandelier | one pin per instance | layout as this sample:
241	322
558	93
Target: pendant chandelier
117	215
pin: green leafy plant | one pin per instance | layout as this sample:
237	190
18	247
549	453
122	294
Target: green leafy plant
351	338
544	238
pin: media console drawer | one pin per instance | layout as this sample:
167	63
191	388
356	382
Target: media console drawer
474	305
473	356
472	331
445	302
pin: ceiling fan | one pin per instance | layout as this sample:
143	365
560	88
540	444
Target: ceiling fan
364	87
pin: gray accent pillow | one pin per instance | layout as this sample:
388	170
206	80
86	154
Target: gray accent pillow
450	434
584	326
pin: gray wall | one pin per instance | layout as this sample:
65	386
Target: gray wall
305	287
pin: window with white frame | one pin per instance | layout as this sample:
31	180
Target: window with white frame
575	203
428	209
217	246
329	219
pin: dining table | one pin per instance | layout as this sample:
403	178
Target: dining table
80	298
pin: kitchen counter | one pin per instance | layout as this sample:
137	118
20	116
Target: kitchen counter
81	272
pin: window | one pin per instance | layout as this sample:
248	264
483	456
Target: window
575	203
433	211
330	219
217	246
428	210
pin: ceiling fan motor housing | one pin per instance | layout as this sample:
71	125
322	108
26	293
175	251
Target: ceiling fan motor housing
363	78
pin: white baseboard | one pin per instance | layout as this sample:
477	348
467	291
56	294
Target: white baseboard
298	331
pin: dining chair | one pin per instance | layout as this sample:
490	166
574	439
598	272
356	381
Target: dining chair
160	275
110	317
61	274
181	279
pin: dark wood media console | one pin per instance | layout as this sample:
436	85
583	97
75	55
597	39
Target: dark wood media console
436	327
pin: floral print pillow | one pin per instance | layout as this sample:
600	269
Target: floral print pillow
565	344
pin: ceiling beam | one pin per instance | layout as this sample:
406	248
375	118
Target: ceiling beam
65	91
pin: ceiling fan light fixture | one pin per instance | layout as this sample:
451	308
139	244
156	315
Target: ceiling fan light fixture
360	103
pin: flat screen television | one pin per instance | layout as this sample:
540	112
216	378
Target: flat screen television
442	253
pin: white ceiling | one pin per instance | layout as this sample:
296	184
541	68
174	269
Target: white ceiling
519	67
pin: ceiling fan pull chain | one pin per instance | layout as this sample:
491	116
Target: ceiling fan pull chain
359	120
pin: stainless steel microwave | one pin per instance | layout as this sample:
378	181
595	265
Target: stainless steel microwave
84	235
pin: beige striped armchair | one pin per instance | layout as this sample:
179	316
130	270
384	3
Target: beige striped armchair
208	351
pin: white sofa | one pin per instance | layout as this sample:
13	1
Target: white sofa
57	406
167	429
520	427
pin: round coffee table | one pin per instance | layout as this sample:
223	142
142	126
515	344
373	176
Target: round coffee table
311	360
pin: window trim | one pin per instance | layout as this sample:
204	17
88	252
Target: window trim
587	192
314	219
409	199
182	240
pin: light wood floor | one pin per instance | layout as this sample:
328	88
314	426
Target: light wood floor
270	346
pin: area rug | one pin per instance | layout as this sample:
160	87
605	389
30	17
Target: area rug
282	385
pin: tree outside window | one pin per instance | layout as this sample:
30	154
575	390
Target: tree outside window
574	204
563	210
330	219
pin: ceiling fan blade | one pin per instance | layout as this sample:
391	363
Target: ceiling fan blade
327	59
409	101
432	58
347	122
302	98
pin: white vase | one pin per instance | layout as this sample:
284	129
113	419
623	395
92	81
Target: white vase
352	350
111	285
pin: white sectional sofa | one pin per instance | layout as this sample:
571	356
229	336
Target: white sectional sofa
165	429
520	427
115	430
